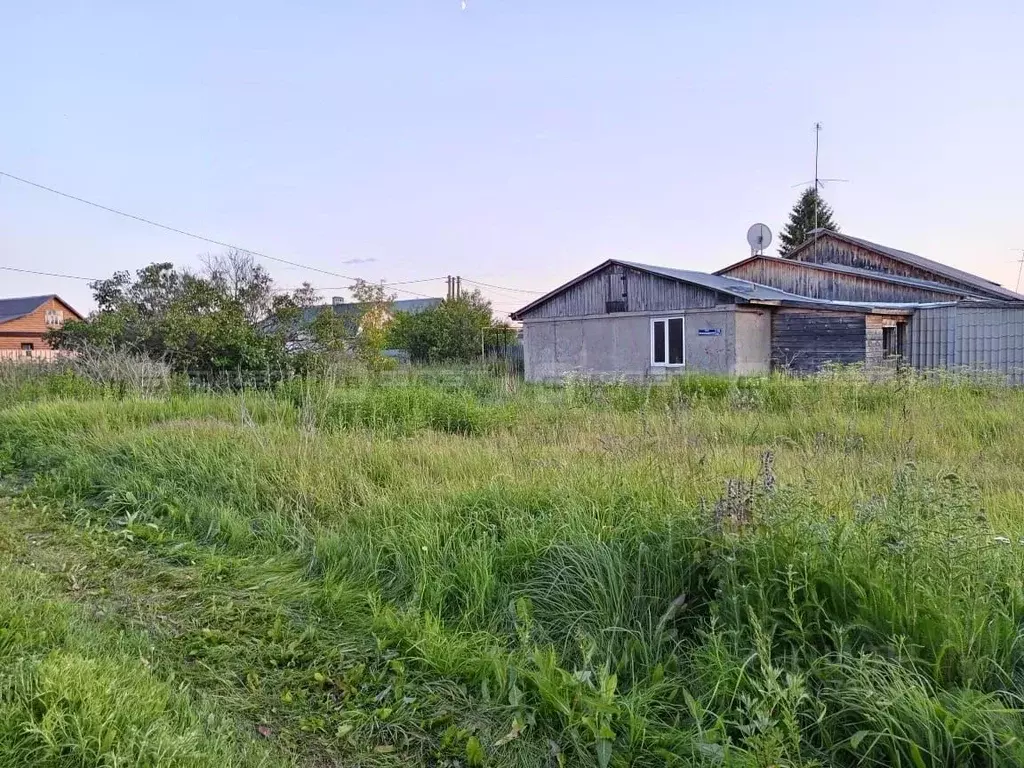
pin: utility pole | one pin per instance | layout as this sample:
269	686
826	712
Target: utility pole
454	287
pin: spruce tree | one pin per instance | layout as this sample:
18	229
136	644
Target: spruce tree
801	221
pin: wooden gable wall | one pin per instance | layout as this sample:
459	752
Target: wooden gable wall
830	250
31	328
796	277
638	291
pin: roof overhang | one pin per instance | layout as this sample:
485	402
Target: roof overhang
865	274
988	288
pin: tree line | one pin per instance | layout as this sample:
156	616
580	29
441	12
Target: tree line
229	315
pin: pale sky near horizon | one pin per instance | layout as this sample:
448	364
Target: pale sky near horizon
518	142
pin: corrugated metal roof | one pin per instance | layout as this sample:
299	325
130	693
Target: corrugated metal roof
744	290
921	262
741	289
12	309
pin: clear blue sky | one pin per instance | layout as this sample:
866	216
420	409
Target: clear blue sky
517	142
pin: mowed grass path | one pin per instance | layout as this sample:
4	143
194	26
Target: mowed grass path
764	572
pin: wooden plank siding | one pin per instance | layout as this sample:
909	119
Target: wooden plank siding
832	251
805	340
643	291
30	328
821	283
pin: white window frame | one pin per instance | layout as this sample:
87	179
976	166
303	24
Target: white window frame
54	317
665	320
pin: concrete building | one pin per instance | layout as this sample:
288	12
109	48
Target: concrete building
836	299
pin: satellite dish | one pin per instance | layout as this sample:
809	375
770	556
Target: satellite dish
759	237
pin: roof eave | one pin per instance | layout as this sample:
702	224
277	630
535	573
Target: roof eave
865	274
518	314
977	282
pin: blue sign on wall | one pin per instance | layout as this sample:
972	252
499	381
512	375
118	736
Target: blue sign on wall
709	331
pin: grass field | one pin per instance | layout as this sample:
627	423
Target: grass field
459	570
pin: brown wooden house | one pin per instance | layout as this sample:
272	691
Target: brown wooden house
25	320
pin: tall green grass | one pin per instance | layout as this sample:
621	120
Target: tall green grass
574	555
74	695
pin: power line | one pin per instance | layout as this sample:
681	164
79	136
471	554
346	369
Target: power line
501	287
186	233
48	274
97	279
346	287
275	290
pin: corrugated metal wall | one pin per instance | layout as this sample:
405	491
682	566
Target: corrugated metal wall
643	292
965	337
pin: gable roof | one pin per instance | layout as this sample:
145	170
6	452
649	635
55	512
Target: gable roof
743	290
413	306
988	287
19	306
731	286
351	311
868	274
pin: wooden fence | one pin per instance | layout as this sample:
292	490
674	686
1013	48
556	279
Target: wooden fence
33	354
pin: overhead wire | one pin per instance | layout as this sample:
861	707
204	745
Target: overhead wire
275	290
501	287
194	235
47	274
346	287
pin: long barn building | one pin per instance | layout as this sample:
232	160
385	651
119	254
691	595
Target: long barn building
835	299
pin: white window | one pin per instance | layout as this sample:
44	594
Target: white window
54	317
668	347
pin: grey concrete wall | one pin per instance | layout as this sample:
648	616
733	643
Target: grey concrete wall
602	346
619	345
709	354
753	342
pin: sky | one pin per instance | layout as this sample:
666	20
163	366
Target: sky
513	142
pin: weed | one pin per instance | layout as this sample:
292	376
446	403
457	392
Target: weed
437	567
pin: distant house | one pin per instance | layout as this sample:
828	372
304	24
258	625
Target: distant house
25	320
834	299
351	312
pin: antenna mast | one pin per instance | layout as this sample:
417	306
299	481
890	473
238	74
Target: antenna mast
817	184
1020	268
817	134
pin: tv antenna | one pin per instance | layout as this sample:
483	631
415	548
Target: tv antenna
819	183
760	237
1020	268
